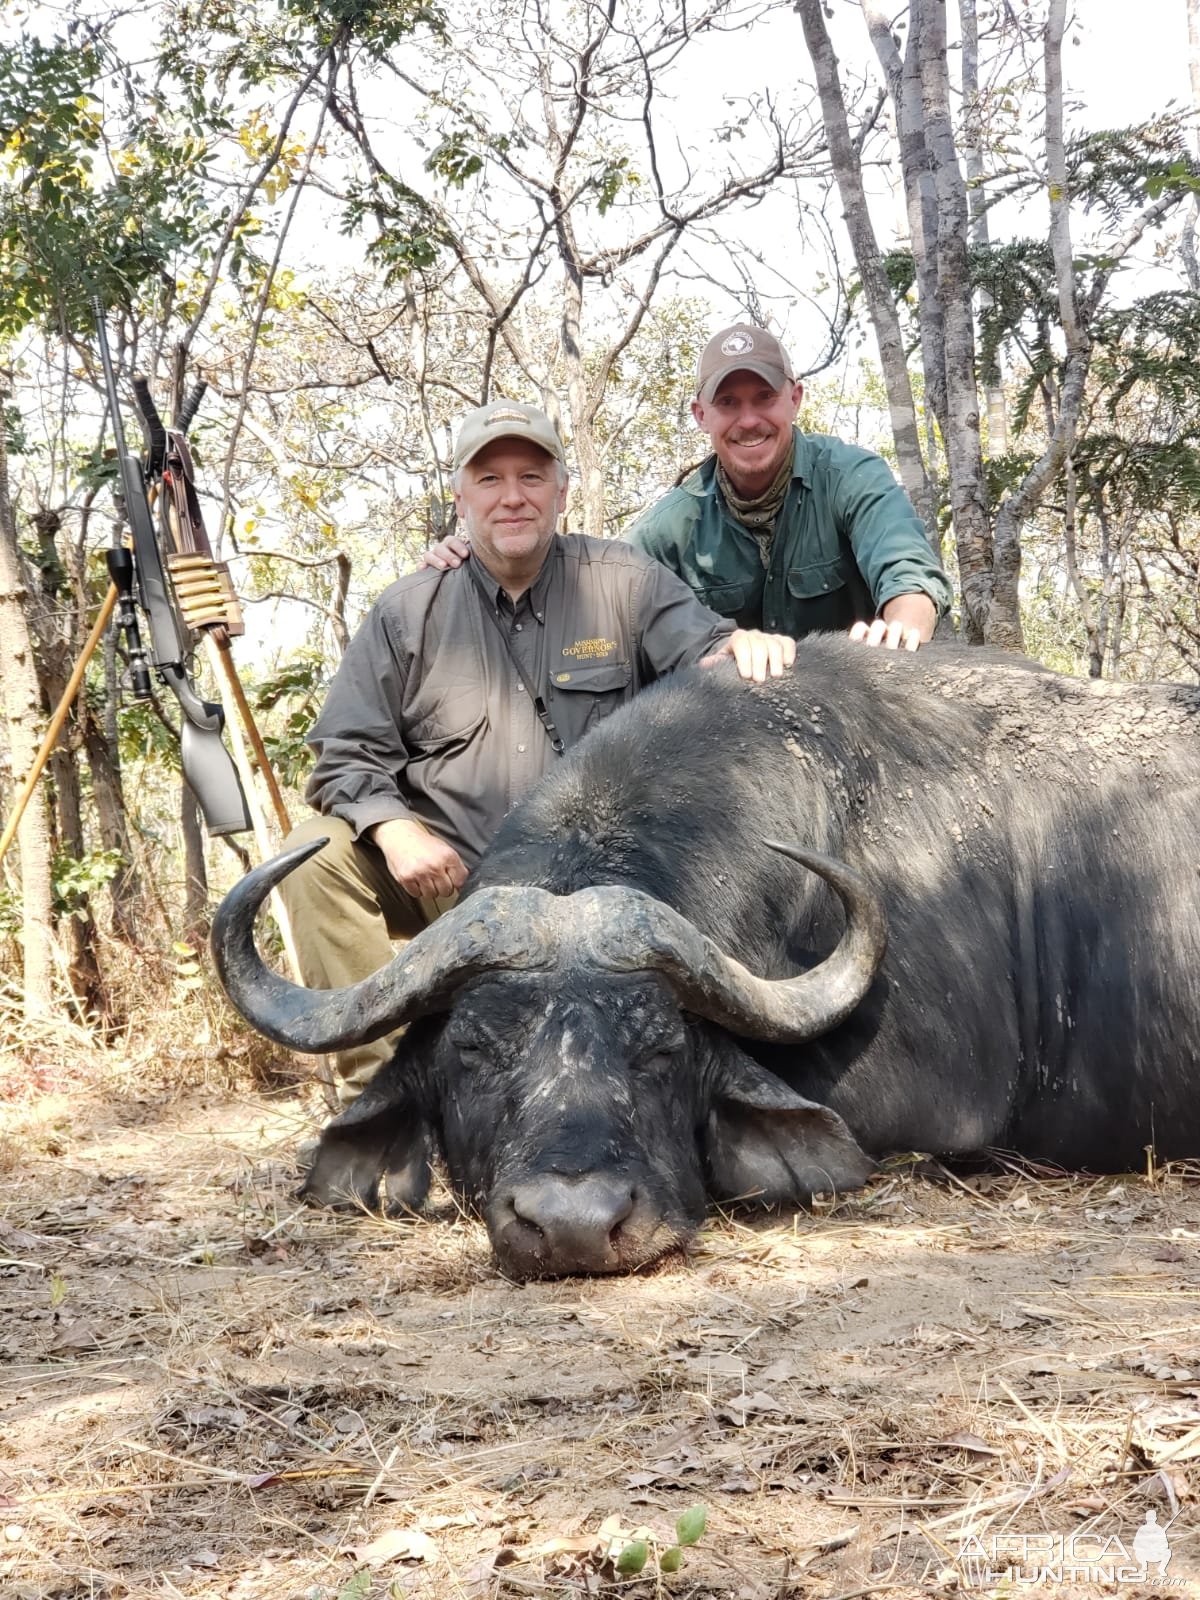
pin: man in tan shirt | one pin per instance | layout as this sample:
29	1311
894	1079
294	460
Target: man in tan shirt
462	688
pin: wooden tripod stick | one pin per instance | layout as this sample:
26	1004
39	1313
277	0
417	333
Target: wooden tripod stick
62	711
223	658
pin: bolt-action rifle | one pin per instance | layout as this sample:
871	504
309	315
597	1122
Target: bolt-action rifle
207	765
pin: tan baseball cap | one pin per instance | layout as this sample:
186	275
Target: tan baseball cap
742	348
505	419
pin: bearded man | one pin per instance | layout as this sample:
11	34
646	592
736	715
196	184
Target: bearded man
792	532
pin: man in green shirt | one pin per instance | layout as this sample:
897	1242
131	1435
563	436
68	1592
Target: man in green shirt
791	532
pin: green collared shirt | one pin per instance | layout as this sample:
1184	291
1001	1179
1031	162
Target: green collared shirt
847	541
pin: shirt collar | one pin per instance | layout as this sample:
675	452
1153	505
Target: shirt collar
535	596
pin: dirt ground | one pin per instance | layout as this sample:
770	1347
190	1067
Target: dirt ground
943	1383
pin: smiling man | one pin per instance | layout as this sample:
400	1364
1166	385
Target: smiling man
462	688
792	532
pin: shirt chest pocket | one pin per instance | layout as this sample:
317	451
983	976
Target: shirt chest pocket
586	694
816	579
726	599
824	599
447	716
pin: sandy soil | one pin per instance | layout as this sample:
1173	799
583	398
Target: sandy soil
210	1391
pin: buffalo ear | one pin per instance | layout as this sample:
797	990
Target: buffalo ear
384	1137
765	1143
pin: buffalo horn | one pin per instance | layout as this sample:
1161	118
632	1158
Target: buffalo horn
645	933
615	928
493	929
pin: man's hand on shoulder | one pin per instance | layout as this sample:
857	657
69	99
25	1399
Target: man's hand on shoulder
447	554
759	656
906	622
421	863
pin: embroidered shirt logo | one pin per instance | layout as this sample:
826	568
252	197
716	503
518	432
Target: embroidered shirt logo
737	344
590	649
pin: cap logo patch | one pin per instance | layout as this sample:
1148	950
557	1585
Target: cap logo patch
737	344
506	416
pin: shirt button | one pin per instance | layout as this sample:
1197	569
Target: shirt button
520	688
770	577
519	625
521	749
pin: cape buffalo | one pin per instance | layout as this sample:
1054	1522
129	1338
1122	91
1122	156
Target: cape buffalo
641	1000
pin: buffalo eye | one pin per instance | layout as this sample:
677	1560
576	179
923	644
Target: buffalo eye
470	1049
663	1058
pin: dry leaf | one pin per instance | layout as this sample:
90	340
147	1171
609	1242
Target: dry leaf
741	1405
967	1441
717	1366
397	1544
77	1335
642	1480
214	1416
778	1372
578	1546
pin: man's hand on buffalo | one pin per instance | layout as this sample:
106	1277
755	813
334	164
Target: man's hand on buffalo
906	622
422	864
446	554
759	656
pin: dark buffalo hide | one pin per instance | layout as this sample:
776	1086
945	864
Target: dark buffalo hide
1034	842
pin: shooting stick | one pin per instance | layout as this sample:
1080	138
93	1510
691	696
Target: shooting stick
56	721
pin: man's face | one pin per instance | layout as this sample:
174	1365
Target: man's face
509	500
750	425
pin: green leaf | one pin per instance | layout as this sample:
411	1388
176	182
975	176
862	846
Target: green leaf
632	1559
691	1525
671	1560
357	1587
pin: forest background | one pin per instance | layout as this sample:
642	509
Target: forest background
355	218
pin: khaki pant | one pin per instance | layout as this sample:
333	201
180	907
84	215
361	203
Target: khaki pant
345	910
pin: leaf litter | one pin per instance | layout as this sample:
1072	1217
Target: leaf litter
233	1396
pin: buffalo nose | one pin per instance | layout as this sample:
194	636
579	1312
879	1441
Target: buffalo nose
579	1219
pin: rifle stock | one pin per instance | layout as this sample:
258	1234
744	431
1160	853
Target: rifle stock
207	765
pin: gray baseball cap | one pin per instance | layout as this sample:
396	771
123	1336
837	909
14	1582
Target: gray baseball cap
742	348
505	419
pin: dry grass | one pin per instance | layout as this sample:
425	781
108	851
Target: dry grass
208	1391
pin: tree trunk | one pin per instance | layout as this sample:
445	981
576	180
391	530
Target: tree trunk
847	171
23	709
78	928
195	892
112	821
1023	502
990	611
1187	243
579	399
1093	632
53	619
993	383
920	193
